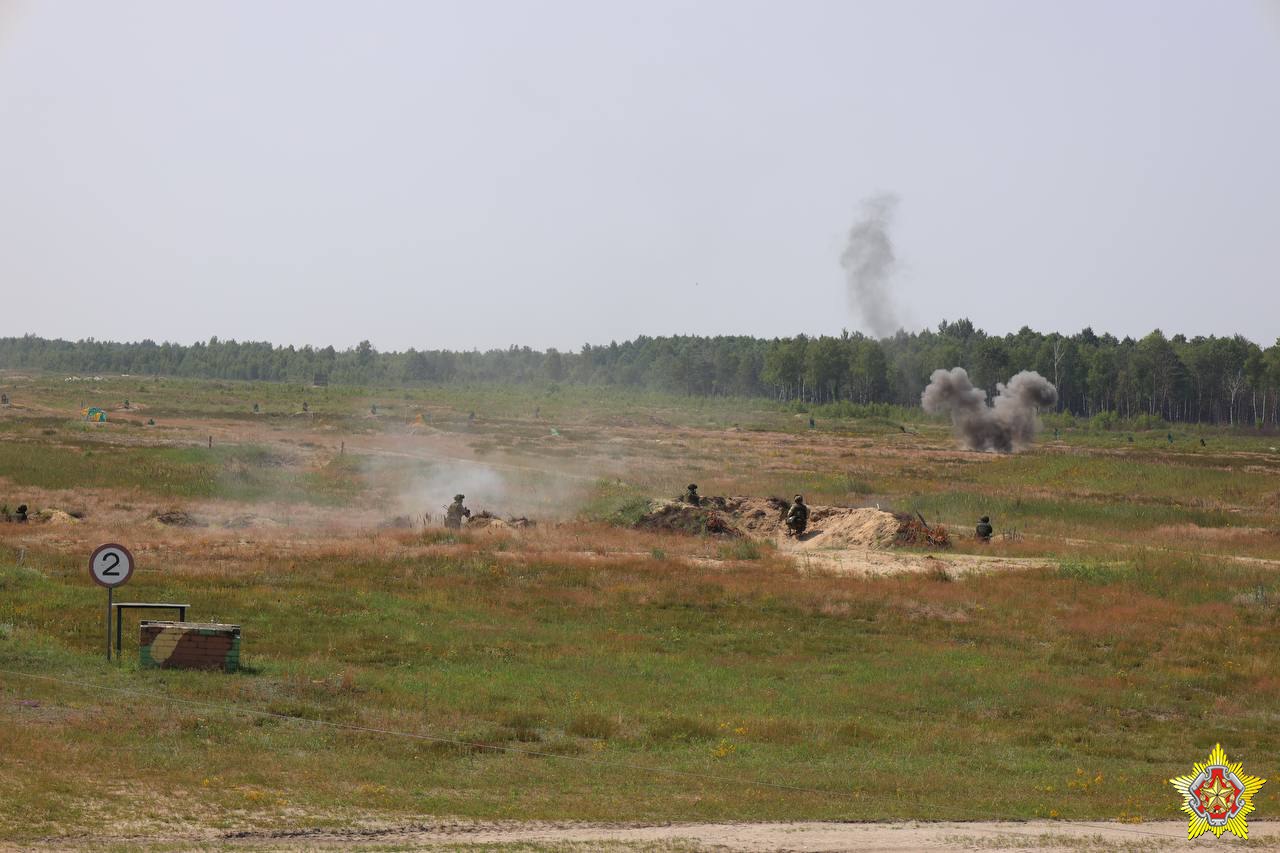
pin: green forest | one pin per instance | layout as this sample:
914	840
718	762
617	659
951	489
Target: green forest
1219	380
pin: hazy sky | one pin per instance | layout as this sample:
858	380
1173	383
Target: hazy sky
477	174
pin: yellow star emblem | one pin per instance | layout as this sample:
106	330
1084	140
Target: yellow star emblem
1217	795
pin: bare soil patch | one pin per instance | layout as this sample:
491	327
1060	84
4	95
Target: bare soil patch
818	836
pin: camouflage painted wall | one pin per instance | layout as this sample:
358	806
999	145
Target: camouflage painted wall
190	645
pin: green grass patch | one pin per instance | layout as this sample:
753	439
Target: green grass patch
242	472
741	549
1095	572
616	503
746	675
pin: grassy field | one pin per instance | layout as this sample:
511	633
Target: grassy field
583	670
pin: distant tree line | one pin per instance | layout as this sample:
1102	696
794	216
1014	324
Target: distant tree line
1202	379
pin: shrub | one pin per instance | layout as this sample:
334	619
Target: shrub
590	725
740	549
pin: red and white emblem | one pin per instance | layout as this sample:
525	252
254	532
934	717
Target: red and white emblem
1218	796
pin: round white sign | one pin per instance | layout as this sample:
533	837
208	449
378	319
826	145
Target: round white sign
110	565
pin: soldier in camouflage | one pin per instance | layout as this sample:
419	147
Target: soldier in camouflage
455	513
797	517
984	529
691	495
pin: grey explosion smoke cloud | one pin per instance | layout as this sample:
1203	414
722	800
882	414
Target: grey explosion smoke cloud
868	262
1010	422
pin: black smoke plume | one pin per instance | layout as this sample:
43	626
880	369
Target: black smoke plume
868	262
1009	423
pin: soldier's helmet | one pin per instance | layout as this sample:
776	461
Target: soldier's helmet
799	499
459	497
985	519
693	487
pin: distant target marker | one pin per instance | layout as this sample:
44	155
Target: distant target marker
111	565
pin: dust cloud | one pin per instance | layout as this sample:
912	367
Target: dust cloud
420	477
1010	422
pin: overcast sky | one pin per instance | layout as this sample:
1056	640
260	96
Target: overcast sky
478	174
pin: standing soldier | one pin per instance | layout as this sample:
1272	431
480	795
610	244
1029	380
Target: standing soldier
797	517
691	495
984	529
455	513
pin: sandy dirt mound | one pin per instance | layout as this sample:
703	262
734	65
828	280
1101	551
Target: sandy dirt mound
829	526
486	521
757	516
54	516
839	527
679	517
173	518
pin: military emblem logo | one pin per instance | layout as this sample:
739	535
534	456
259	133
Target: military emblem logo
1218	796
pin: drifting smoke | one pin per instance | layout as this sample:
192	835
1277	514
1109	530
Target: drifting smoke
419	477
1010	422
868	262
432	489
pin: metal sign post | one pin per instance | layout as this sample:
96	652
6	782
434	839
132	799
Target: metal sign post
110	565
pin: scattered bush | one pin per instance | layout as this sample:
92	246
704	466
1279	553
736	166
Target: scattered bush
740	549
913	531
591	725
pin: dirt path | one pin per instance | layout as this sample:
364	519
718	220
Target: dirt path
870	561
1038	836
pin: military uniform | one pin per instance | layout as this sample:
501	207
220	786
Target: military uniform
455	513
691	495
797	517
984	529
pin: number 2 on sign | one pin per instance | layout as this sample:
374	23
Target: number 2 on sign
111	565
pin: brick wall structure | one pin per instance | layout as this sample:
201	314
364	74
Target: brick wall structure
190	645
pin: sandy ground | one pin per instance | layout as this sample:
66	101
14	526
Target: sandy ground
1036	836
869	561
